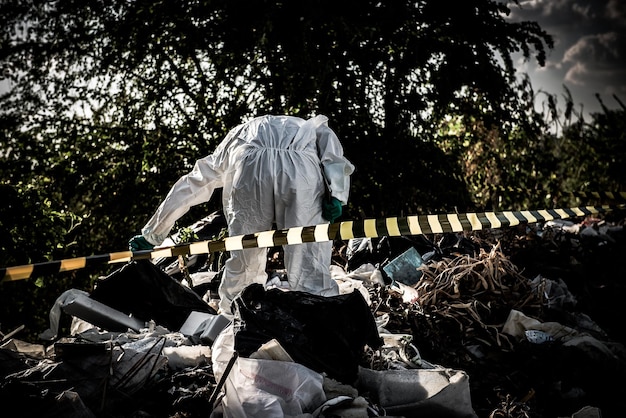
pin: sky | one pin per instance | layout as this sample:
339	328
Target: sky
589	54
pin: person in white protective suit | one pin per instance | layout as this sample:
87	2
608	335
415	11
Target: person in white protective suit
272	169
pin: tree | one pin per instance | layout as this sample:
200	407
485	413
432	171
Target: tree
185	72
111	101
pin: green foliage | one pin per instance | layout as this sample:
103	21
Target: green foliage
543	161
601	148
35	227
175	76
186	234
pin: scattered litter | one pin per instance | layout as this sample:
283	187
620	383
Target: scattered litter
538	337
77	303
205	326
404	268
437	392
448	326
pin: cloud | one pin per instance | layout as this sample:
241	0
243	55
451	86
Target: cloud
556	13
590	45
597	61
605	49
616	11
565	20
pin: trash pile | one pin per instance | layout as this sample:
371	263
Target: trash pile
492	324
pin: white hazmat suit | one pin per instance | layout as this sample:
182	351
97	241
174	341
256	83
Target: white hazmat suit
270	171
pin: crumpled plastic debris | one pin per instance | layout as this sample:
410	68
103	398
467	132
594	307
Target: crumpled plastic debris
326	334
142	289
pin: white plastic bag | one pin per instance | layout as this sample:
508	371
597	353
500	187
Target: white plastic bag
270	388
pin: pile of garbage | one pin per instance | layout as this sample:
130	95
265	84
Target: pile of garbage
494	323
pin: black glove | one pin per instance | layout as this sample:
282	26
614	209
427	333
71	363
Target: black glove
138	243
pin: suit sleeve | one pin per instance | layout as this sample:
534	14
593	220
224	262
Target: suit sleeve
336	167
192	189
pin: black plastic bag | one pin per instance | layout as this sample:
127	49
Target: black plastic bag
326	334
144	290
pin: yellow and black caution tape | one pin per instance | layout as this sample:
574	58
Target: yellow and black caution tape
619	196
368	228
604	196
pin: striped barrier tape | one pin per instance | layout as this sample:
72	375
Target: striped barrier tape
599	195
615	196
368	228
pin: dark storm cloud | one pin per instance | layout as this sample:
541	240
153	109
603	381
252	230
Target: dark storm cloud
598	60
590	41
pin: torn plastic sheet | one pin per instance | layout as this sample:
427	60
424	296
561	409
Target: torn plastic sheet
70	404
405	267
419	392
269	388
379	251
144	290
272	350
538	337
204	326
184	356
77	303
325	333
36	351
517	325
121	369
137	363
353	282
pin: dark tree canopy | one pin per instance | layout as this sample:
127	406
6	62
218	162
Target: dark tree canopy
137	90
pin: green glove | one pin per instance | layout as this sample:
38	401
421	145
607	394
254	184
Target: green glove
138	242
331	209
